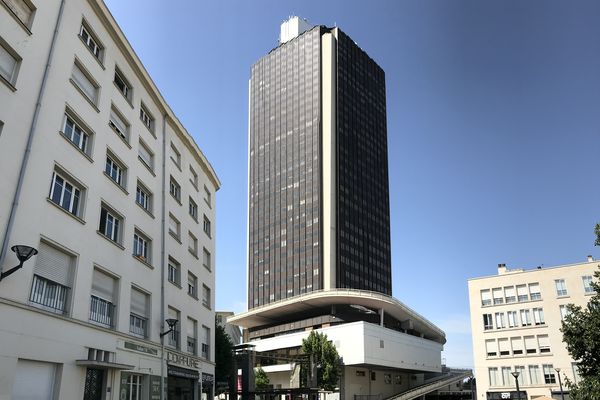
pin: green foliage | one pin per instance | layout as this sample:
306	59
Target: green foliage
324	357
261	380
223	355
597	232
581	333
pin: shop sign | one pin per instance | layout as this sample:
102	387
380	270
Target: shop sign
182	372
183	360
508	395
140	348
207	379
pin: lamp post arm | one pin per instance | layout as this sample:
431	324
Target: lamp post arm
10	271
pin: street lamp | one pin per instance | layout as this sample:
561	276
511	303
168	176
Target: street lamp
562	395
171	322
516	375
23	253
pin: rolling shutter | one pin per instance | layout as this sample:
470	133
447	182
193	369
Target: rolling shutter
84	83
139	301
54	265
103	286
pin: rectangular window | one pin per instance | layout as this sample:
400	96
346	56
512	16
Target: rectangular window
522	294
133	387
516	344
522	378
513	320
493	375
510	294
192	285
192	244
85	83
500	323
115	170
175	190
488	322
175	156
146	118
91	41
486	298
534	291
525	318
123	84
498	296
119	124
174	272
193	177
507	379
564	311
538	316
142	247
193	209
192	328
138	317
206	258
102	303
145	155
65	193
576	374
206	226
9	63
52	279
206	342
207	196
143	197
587	284
174	335
530	345
76	134
561	287
534	374
174	227
504	347
549	376
544	343
110	224
206	296
22	10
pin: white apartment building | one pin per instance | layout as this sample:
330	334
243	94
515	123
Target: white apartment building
99	175
515	323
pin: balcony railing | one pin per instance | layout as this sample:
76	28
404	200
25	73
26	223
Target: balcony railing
205	350
102	311
137	325
174	339
49	294
191	345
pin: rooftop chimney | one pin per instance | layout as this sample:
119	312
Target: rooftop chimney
501	269
590	258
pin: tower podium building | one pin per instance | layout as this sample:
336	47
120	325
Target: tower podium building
318	218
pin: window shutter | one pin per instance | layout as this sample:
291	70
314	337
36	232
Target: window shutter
84	83
509	291
530	343
497	293
517	345
173	225
172	313
118	121
544	342
145	155
103	286
206	335
503	346
491	346
7	64
54	265
138	302
21	10
534	288
485	295
191	328
522	290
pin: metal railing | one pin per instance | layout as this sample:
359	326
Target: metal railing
137	325
174	339
102	311
191	345
49	294
205	351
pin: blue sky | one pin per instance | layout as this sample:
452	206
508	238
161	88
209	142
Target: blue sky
493	129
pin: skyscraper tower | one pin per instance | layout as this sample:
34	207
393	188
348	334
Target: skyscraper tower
318	168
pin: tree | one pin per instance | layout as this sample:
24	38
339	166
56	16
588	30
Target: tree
223	357
261	380
581	334
323	356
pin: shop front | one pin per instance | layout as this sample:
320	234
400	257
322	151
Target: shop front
208	382
183	377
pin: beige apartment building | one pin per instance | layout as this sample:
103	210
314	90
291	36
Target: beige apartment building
98	175
515	323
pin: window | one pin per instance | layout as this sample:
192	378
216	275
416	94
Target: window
122	84
133	386
498	297
522	294
504	347
175	156
564	311
102	307
522	378
487	322
65	193
512	319
192	285
146	118
538	316
207	196
143	197
500	321
138	317
192	347
174	272
576	373
84	82
561	288
525	318
486	298
587	284
110	224
114	169
206	226
193	209
493	375
119	124
193	244
91	41
544	343
206	296
516	344
530	345
206	258
534	374
510	294
549	376
175	189
174	227
142	247
145	155
206	342
76	134
534	291
194	177
174	335
22	10
52	279
9	63
507	379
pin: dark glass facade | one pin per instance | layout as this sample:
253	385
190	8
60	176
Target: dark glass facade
285	254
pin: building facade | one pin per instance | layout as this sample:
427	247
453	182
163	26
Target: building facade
99	176
233	331
515	323
318	177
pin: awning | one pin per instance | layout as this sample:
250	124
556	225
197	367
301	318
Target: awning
103	364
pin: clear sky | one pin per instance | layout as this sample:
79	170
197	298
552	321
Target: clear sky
493	129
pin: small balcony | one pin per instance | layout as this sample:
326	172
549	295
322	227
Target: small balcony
50	295
102	312
137	325
191	345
